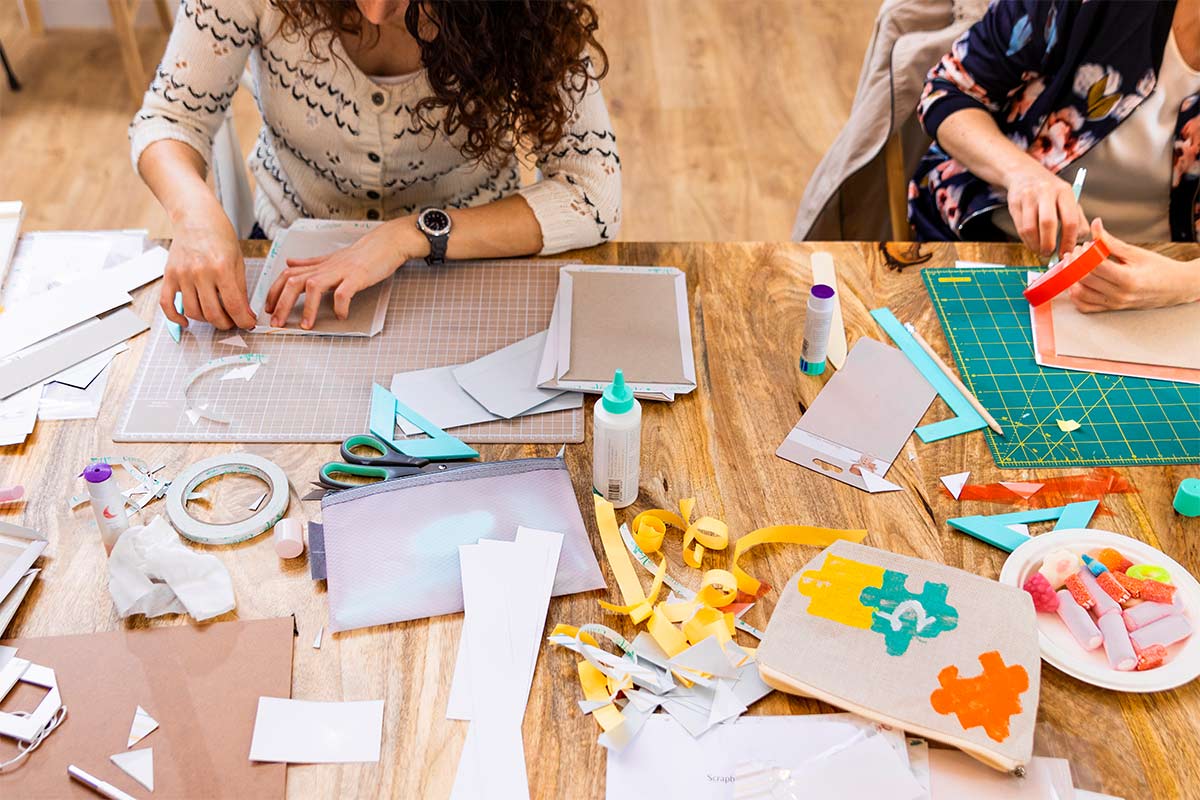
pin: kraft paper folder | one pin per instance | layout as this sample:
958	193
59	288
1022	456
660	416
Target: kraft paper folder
632	318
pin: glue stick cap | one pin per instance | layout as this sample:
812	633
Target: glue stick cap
617	398
1187	499
821	296
97	472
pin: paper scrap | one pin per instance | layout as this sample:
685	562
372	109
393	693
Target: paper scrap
505	382
143	725
955	483
1022	489
955	774
137	764
244	373
707	767
317	640
506	593
233	341
310	732
1068	425
258	501
11	494
875	483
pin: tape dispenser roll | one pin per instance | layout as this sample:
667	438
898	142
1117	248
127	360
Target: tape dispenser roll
270	512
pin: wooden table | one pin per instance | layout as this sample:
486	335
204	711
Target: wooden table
716	444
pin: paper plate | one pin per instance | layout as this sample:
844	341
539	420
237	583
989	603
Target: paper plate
1061	650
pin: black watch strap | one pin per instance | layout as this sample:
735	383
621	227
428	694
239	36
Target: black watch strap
437	249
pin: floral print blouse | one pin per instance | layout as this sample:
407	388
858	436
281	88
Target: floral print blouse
1057	77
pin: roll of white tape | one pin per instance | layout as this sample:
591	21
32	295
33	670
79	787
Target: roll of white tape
289	538
270	512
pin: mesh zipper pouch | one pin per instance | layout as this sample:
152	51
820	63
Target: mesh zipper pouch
391	548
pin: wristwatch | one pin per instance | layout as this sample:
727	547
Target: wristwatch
435	224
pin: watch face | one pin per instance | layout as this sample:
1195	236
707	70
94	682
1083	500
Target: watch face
435	221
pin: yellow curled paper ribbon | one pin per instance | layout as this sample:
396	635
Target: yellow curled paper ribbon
650	527
785	534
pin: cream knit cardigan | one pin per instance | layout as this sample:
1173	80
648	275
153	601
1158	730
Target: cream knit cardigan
336	145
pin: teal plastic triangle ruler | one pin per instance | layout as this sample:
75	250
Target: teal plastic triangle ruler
993	529
440	446
966	418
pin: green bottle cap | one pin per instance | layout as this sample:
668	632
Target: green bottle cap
617	397
1187	499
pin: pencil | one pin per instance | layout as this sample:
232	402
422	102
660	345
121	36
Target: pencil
944	367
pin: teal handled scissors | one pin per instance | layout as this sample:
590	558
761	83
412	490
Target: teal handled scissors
383	464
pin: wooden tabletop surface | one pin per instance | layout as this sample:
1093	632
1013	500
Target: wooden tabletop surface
716	444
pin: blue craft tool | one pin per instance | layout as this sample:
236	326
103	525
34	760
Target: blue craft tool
965	418
174	328
1077	188
440	446
993	529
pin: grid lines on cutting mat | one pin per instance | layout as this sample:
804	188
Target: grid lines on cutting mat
1125	421
318	388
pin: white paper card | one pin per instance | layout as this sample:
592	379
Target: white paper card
311	732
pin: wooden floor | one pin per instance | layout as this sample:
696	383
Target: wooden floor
722	108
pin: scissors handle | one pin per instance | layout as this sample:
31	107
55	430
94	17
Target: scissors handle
387	456
377	471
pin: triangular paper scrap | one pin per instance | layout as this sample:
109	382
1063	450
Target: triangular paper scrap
1022	489
1019	527
234	341
1068	425
137	764
996	531
143	725
245	373
874	483
955	483
726	704
707	657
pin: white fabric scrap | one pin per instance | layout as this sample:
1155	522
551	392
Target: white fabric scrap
150	572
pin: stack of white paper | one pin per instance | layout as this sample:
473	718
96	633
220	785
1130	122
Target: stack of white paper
506	593
57	286
500	385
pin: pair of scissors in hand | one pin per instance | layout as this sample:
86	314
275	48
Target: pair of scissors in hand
383	464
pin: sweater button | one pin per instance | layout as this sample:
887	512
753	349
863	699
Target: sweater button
372	213
378	98
374	157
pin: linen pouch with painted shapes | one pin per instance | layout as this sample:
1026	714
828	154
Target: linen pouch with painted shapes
924	647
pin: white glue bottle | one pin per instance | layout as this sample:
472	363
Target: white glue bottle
817	320
617	443
107	502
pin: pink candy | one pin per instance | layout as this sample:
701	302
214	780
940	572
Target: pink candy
1117	645
1104	603
1145	613
1166	631
1078	621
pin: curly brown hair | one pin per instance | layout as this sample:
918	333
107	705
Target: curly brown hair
508	73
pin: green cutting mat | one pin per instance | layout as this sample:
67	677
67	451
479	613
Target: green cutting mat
1126	421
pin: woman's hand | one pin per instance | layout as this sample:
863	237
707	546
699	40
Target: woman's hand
344	272
1132	277
205	264
1040	202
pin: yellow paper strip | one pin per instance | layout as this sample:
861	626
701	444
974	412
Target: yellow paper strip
617	555
573	632
595	689
639	611
785	534
669	638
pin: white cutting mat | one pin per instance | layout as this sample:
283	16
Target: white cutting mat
318	388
